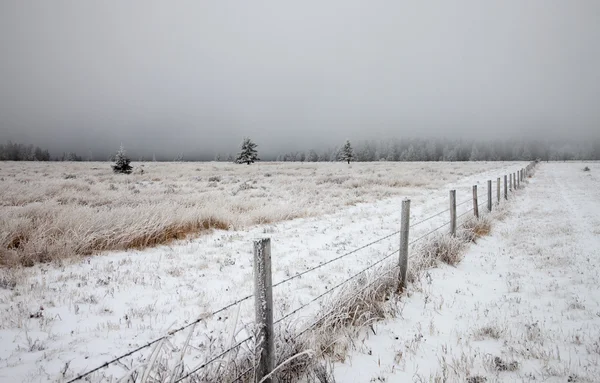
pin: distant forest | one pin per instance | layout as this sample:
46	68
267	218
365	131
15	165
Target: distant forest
365	151
453	150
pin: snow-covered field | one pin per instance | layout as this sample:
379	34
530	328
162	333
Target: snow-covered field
522	306
60	319
51	211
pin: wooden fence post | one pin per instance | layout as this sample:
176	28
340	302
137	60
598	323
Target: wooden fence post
263	306
475	205
453	212
510	185
489	195
505	187
403	261
521	176
498	189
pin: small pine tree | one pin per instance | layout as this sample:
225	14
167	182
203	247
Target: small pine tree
347	154
248	153
122	162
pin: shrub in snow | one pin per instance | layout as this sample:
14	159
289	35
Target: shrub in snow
122	162
586	169
248	153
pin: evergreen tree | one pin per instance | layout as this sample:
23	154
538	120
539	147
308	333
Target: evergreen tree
122	162
248	153
347	154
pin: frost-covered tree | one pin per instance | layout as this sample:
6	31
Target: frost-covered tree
476	154
410	154
248	153
312	156
122	162
346	153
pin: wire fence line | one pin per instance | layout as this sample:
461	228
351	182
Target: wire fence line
335	259
428	218
295	311
329	291
153	342
326	315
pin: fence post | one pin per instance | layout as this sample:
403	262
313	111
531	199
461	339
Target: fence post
475	206
520	177
498	189
453	212
263	306
505	187
403	261
489	195
510	186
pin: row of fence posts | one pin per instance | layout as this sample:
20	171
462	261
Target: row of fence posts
263	291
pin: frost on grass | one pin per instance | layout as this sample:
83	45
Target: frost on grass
134	296
46	216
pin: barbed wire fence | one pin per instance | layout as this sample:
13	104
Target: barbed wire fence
512	182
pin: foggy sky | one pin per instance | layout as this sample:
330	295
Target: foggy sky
197	76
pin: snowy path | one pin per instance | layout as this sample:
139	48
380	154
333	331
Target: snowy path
63	320
523	306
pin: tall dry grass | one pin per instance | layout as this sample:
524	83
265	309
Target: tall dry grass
55	211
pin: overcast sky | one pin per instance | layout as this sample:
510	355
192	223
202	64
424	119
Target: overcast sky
197	76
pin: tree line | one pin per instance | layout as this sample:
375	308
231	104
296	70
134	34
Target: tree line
450	150
20	152
366	151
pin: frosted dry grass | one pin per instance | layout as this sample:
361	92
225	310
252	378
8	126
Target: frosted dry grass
53	211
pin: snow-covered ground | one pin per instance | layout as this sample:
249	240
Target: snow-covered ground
523	305
60	320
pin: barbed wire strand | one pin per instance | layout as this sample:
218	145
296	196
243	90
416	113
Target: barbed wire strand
466	212
462	203
429	233
242	374
213	359
427	219
335	259
170	333
335	287
344	302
